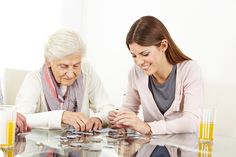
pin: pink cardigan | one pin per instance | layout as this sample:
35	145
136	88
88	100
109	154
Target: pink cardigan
183	115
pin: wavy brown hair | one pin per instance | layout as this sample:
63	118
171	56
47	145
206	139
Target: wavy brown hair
149	31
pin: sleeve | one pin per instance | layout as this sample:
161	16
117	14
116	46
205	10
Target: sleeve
192	100
188	123
1	97
132	99
98	98
28	102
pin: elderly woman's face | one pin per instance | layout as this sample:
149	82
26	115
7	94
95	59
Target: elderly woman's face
67	69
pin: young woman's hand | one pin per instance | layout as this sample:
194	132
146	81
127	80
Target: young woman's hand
129	119
111	117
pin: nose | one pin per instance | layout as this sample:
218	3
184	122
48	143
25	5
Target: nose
139	61
70	73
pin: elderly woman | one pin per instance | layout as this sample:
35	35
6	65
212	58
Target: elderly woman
65	89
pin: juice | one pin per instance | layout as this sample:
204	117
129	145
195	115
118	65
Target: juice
206	131
7	153
205	149
11	126
7	126
10	134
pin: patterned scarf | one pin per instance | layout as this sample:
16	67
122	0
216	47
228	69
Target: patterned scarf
53	95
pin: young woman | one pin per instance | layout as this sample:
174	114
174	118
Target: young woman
164	81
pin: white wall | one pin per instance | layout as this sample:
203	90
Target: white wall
25	25
203	29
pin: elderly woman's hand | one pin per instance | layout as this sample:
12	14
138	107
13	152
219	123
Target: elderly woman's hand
21	124
93	123
76	119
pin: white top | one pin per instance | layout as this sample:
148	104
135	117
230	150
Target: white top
1	97
184	114
30	100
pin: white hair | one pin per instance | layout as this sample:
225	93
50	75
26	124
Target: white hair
62	43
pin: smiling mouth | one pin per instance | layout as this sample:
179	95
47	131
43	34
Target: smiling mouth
145	68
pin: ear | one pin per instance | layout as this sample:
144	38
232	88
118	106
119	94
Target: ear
164	45
47	62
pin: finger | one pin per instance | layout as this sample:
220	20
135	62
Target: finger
83	118
112	122
89	125
23	121
81	124
17	130
125	122
123	116
112	113
110	118
76	126
29	128
113	126
118	126
124	112
100	126
19	125
97	125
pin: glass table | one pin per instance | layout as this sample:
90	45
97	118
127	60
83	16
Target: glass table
116	143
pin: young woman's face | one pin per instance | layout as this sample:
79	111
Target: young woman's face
148	58
67	69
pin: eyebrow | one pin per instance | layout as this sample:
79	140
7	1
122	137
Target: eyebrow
69	64
141	52
78	62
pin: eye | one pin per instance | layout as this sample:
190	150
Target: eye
63	66
76	65
145	53
134	56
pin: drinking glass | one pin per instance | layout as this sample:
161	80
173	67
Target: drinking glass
207	124
205	149
7	126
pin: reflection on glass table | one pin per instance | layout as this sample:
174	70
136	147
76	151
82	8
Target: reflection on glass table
187	145
179	145
59	143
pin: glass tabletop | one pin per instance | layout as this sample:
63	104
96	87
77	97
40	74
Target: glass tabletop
116	143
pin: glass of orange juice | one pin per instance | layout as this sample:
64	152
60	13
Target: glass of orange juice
205	149
207	124
7	126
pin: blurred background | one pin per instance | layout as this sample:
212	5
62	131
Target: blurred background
203	29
